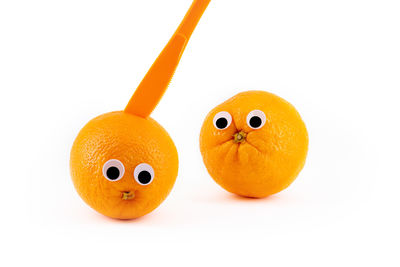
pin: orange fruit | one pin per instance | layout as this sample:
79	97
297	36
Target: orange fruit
254	144
122	165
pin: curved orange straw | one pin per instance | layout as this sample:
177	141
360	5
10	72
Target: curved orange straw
157	79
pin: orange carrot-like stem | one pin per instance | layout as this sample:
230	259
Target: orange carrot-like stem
157	79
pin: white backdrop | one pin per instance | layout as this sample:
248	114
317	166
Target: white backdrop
64	62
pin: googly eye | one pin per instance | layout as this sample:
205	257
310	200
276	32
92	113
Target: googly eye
222	120
256	119
113	170
144	174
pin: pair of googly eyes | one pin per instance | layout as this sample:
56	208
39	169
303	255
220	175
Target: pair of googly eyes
255	119
113	170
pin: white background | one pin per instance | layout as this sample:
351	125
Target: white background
338	62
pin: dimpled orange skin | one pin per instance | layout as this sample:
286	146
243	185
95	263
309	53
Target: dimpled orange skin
132	140
269	159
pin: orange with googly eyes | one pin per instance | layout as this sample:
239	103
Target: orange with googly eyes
254	144
124	164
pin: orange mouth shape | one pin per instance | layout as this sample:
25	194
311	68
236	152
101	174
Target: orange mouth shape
128	195
239	137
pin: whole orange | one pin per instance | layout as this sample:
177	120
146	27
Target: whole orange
122	165
254	144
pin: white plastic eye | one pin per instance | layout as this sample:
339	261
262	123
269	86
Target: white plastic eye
113	170
144	174
256	119
222	120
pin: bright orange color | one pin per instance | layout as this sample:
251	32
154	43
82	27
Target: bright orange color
255	163
156	81
108	156
131	140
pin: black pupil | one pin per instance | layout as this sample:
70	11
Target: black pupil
113	173
221	123
144	177
255	122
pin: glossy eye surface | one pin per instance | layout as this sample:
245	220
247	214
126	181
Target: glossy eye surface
113	170
222	120
144	174
256	119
